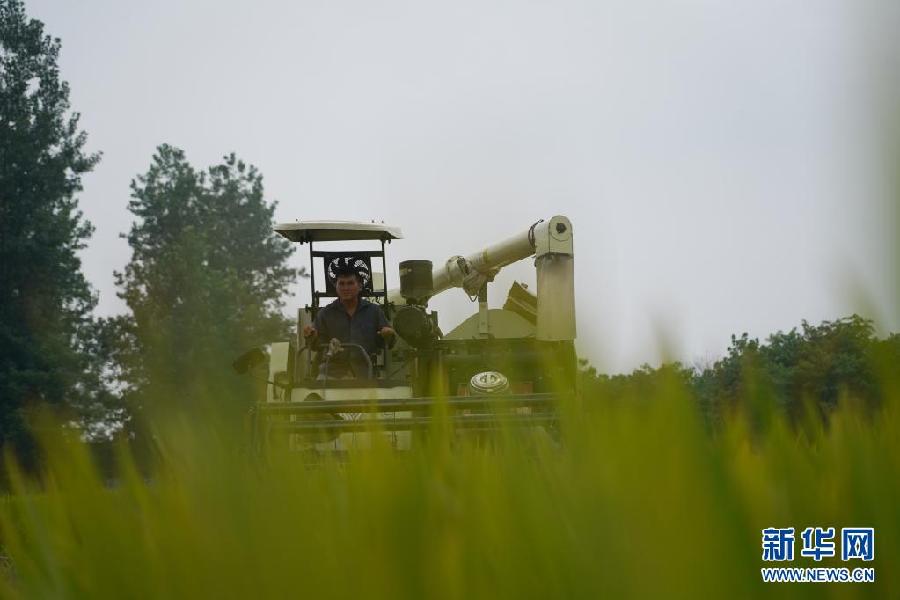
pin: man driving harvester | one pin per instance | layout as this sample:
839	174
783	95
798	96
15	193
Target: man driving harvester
351	320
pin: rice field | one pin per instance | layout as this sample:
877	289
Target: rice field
637	500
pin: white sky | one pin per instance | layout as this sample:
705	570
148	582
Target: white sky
716	158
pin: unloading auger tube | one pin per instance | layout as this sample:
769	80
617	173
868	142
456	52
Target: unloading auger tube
550	242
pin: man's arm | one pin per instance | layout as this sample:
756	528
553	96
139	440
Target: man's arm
317	333
385	331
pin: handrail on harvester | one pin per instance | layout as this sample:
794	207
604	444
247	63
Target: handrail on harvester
404	404
482	422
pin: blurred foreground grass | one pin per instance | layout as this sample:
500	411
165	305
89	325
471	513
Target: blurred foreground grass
638	501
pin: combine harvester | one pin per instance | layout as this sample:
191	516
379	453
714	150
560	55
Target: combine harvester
499	367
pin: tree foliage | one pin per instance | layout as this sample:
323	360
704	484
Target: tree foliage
45	301
813	366
205	281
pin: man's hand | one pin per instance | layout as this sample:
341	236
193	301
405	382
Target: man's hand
310	332
386	332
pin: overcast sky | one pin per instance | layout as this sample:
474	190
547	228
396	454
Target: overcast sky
718	159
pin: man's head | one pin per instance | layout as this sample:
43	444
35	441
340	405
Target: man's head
348	284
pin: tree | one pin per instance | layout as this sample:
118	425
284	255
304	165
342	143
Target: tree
205	281
813	366
45	301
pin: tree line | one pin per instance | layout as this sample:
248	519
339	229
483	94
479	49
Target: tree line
809	369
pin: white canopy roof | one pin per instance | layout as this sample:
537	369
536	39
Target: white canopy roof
331	231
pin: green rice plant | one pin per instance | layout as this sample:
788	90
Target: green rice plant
635	499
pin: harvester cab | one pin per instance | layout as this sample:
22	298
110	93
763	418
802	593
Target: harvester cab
325	265
499	366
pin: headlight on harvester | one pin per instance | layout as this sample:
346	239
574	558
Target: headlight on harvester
488	383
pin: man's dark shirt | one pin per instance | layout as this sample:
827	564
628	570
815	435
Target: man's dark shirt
362	328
